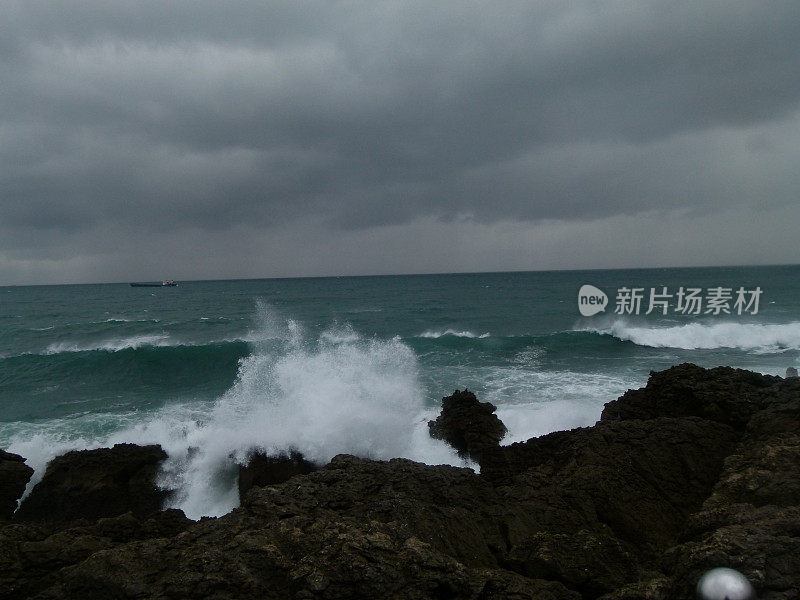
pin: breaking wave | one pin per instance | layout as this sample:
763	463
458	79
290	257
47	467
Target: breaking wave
452	332
323	395
755	337
111	345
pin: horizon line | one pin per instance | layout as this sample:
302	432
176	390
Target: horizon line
429	274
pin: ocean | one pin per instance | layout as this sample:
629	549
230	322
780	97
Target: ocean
214	369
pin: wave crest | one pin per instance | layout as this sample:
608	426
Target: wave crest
430	334
754	337
336	392
112	345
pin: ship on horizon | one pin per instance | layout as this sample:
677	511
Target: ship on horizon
167	283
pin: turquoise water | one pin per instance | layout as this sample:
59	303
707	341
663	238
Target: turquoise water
210	369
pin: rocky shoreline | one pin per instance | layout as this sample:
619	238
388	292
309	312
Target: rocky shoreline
699	469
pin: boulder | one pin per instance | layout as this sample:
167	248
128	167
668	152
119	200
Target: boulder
469	426
14	476
91	484
262	470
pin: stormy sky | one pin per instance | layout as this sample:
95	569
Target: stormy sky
192	139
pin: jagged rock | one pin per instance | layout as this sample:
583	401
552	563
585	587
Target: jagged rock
587	562
262	470
751	520
14	476
636	507
330	558
723	394
125	528
761	543
90	484
449	508
471	427
641	479
32	555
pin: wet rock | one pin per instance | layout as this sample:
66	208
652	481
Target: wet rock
449	508
723	394
761	543
330	557
641	479
471	427
14	476
125	528
587	562
674	482
91	484
751	519
262	470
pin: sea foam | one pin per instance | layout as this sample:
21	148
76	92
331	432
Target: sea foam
326	393
337	393
110	345
534	402
755	337
452	332
322	395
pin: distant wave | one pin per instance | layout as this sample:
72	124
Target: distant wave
112	345
156	373
452	332
755	337
138	341
127	320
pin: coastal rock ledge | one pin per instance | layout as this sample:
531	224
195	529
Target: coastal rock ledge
699	469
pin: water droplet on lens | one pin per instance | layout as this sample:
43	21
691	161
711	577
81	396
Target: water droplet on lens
724	584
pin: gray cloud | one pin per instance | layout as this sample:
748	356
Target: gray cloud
187	119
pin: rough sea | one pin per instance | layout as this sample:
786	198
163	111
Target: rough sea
213	369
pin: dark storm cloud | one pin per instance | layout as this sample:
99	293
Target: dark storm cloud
205	116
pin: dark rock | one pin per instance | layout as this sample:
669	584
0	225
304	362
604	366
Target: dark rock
33	555
328	558
504	585
761	543
751	520
471	427
90	484
262	470
640	478
587	562
723	394
125	528
447	507
636	507
14	476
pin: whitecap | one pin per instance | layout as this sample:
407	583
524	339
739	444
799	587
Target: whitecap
430	334
756	337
